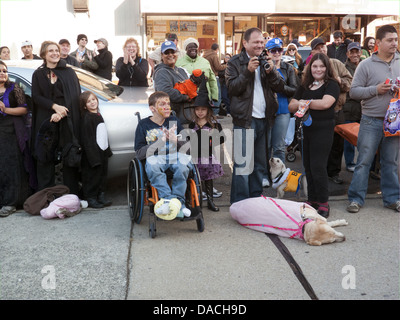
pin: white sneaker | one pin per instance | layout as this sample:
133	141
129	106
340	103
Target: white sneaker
265	183
186	212
216	193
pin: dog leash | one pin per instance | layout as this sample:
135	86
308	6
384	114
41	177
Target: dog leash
297	231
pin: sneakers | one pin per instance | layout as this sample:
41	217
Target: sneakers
353	207
394	206
6	211
351	168
216	194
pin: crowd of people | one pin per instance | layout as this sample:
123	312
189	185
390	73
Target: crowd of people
334	85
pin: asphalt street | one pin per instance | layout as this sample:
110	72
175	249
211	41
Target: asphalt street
100	255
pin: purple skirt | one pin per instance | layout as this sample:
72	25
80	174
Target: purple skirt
209	168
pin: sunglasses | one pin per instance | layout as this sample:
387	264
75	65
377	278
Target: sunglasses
275	50
292	49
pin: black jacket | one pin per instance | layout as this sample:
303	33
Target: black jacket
240	83
340	52
104	60
134	76
291	81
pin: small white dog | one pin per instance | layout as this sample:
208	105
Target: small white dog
284	179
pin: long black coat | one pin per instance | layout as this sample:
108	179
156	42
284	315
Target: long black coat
43	100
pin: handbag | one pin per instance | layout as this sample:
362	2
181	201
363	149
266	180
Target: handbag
391	121
72	151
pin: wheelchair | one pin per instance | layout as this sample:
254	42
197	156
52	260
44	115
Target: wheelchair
141	193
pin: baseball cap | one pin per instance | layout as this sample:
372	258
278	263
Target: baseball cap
172	37
26	43
102	40
168	45
354	45
274	43
62	41
316	42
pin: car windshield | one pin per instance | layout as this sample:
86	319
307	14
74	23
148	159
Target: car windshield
104	88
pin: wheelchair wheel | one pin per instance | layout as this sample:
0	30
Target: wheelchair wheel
135	190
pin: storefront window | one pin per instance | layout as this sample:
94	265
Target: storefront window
304	29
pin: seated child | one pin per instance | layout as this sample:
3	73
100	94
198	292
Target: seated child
156	141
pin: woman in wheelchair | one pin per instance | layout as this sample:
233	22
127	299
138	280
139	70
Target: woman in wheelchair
156	141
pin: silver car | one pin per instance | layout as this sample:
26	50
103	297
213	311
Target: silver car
118	105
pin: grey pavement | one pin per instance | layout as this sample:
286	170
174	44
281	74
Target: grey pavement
99	255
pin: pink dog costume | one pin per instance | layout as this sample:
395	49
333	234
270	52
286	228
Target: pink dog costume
281	217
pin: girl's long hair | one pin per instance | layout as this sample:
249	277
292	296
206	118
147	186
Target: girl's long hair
308	79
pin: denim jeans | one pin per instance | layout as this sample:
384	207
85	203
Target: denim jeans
179	164
276	136
370	137
250	160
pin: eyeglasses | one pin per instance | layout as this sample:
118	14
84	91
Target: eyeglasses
84	39
275	50
291	49
3	71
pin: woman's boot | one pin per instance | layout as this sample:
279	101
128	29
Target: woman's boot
209	191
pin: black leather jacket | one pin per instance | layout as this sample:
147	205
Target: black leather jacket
290	79
240	83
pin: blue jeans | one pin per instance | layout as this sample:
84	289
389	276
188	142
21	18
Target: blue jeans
250	160
179	164
370	137
276	136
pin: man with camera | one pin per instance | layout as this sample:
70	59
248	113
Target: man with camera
252	81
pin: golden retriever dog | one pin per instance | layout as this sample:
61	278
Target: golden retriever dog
284	179
286	218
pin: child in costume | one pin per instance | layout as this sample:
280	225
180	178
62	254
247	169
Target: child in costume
96	151
206	127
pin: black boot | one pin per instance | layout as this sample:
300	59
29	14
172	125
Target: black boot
93	203
210	198
103	200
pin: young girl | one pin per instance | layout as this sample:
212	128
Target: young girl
96	151
207	164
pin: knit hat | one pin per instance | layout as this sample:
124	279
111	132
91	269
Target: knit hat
80	36
188	41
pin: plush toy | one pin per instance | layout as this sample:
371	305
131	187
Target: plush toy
189	86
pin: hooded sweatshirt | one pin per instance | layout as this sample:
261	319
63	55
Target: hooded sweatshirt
369	74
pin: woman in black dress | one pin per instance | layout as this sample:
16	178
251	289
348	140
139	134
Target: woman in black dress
320	86
17	178
55	95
